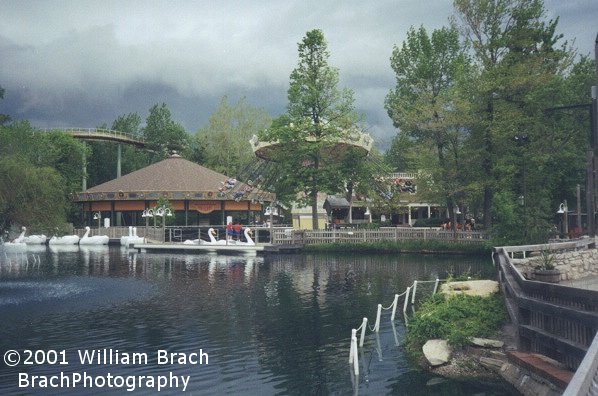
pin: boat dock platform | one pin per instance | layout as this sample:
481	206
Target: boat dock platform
232	248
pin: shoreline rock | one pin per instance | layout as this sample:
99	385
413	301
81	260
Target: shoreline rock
437	352
492	364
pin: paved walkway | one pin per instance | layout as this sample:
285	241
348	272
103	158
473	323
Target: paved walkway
588	283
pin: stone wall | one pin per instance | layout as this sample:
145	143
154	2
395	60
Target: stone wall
572	265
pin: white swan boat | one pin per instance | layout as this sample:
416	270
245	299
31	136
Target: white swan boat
132	238
36	239
93	240
249	241
17	245
31	239
213	240
21	237
64	240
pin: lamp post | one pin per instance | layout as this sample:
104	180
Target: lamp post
98	216
564	211
147	214
163	212
368	214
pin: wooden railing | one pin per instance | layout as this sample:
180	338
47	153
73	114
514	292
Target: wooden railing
585	380
555	320
290	236
308	237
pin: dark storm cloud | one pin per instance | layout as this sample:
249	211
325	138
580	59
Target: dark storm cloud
84	63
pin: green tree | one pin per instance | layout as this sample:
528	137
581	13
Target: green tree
3	117
133	158
64	154
101	161
224	141
31	195
318	116
161	133
358	174
402	156
425	106
516	55
47	150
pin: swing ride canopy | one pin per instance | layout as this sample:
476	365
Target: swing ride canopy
362	142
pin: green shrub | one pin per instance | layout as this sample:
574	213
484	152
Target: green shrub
456	319
431	222
429	246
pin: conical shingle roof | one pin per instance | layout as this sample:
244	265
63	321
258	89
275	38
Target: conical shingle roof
172	174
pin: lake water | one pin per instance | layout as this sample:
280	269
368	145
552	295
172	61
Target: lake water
243	325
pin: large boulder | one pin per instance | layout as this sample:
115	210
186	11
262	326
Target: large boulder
437	352
483	288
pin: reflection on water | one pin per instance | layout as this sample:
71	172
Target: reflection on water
271	325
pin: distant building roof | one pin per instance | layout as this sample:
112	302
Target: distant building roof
336	203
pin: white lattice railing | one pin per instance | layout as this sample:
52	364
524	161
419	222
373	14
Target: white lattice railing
308	237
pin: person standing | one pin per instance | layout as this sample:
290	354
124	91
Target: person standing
237	231
229	231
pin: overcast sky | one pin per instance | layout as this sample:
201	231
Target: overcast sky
84	63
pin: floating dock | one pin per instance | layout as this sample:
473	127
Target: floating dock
232	248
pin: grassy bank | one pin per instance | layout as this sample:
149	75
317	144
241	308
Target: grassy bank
455	319
401	247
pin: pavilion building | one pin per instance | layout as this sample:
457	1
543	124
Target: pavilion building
197	195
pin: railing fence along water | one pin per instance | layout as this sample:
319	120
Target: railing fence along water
150	233
290	236
409	298
161	234
555	320
356	235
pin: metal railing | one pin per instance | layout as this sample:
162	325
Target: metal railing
151	233
403	175
100	134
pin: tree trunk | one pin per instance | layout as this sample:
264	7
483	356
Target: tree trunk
314	210
349	197
314	194
487	168
487	208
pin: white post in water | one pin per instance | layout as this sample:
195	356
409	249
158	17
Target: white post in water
353	350
394	307
364	325
414	290
355	359
406	301
436	286
377	324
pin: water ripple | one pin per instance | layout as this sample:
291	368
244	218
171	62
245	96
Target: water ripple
274	325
